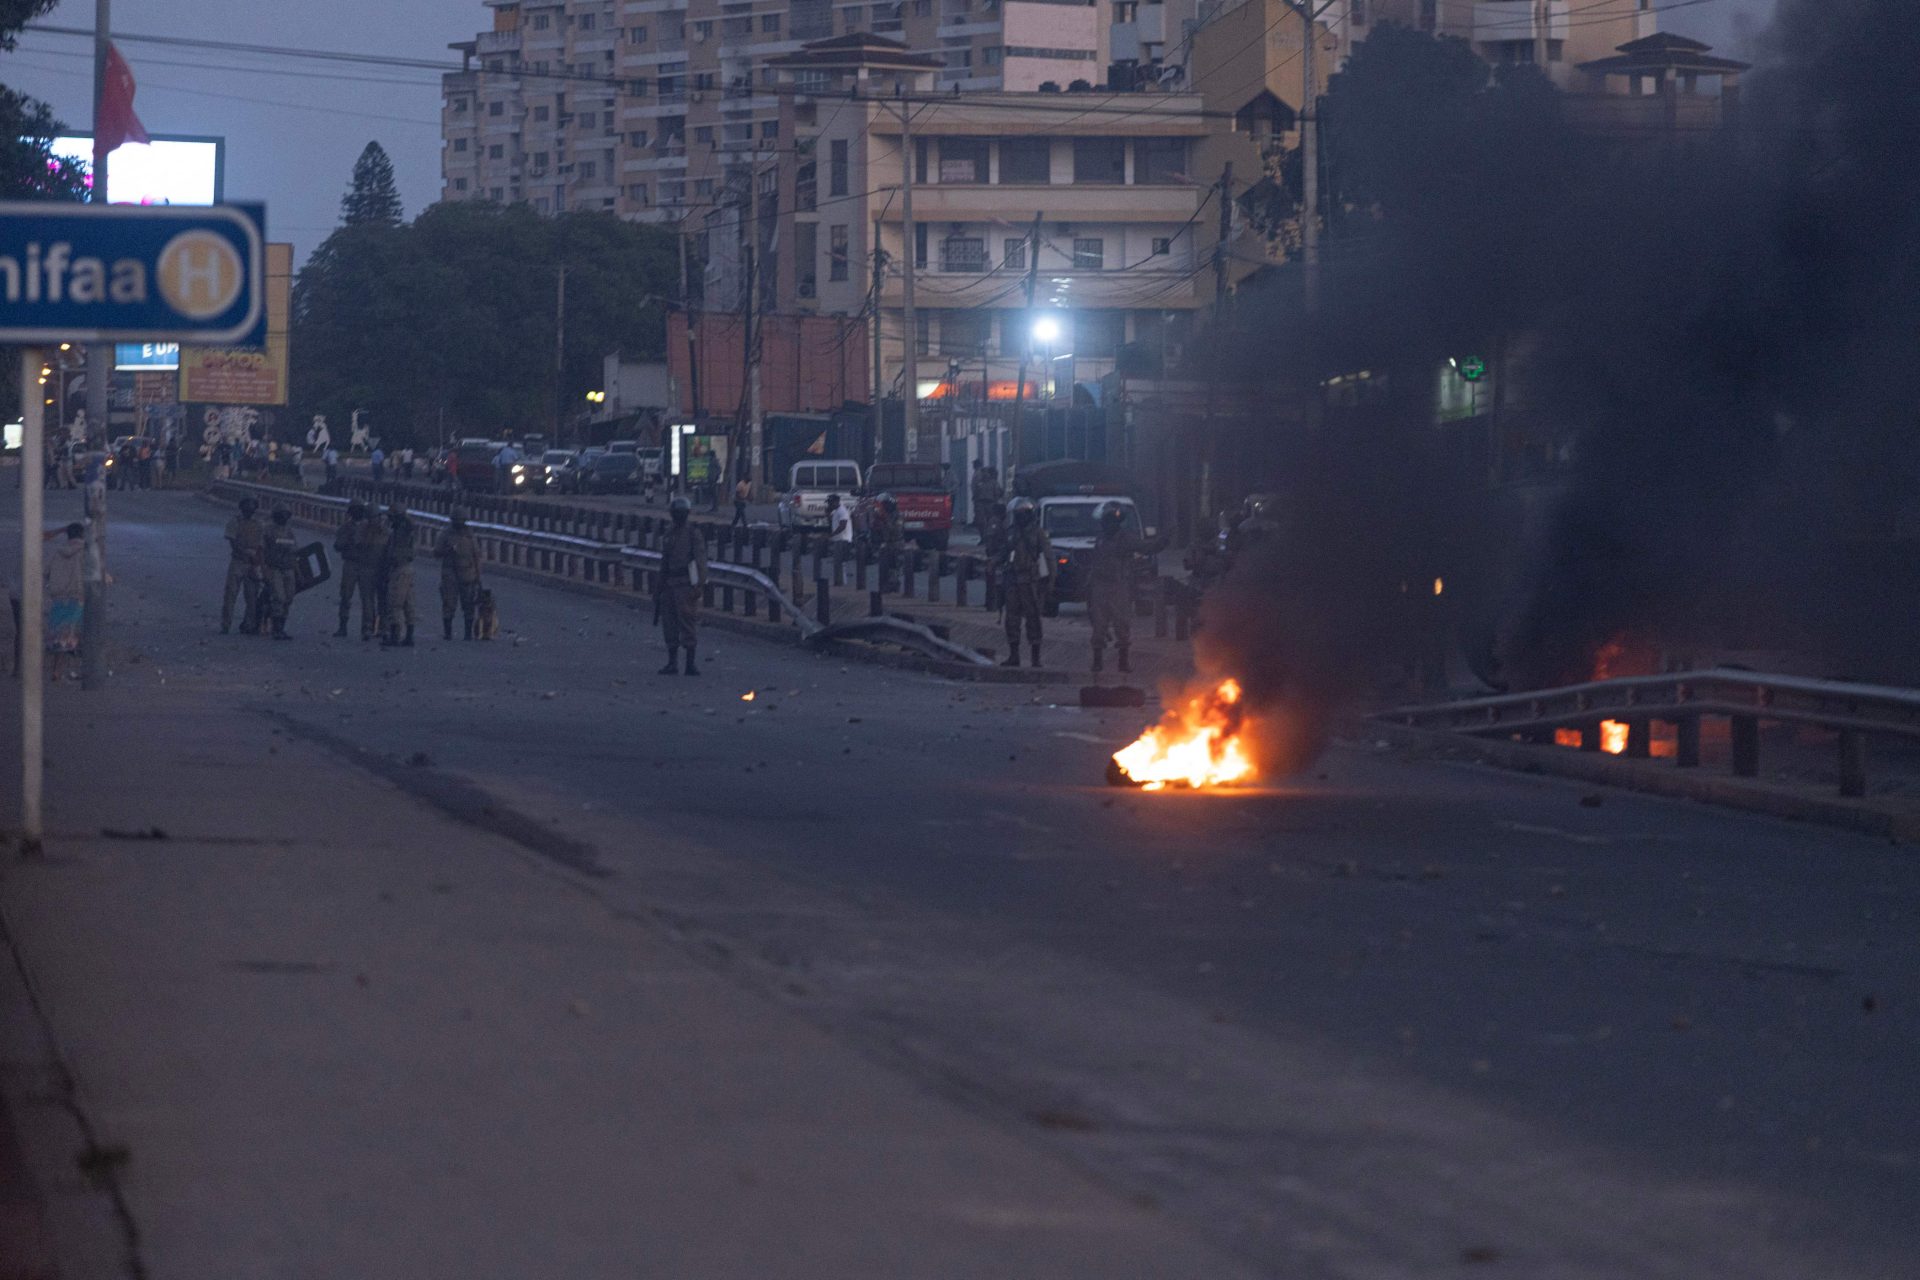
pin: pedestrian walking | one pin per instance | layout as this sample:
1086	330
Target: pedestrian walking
1026	576
683	572
399	578
459	557
378	459
1110	570
406	463
246	568
887	538
280	551
66	584
741	492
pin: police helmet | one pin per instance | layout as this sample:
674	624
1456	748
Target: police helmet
886	500
1022	510
248	506
1112	513
680	505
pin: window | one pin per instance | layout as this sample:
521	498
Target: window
1026	160
459	106
459	184
964	333
541	113
850	18
586	22
963	253
837	167
703	134
1015	256
496	108
1099	160
637	191
703	186
993	54
496	194
963	159
837	253
922	329
769	128
497	151
637	138
543	205
921	8
459	144
703	30
588	169
1126	10
541	21
741	26
1159	159
636	35
703	80
1089	253
920	246
770	23
1162	246
1099	333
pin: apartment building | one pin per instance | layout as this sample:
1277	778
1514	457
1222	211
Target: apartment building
650	108
1088	198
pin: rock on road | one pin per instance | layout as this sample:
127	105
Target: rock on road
1391	1018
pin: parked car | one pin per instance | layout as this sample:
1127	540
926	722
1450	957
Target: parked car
811	482
623	446
472	469
921	492
561	468
614	473
583	463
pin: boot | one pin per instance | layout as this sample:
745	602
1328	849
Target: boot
1036	656
691	669
1013	655
1124	664
341	633
1100	659
466	622
408	642
446	627
673	663
388	640
280	629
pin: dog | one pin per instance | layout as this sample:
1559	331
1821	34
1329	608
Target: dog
486	623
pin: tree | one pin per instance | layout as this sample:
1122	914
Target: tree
28	168
373	199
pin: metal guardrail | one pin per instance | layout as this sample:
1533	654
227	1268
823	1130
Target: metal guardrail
1745	699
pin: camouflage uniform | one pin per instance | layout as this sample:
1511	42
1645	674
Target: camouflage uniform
346	545
1026	575
398	613
281	549
1110	588
459	579
245	570
683	564
372	550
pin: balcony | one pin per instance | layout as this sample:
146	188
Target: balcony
1505	21
964	259
497	42
1172	290
1013	205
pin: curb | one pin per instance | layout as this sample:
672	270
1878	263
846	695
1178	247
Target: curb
1754	796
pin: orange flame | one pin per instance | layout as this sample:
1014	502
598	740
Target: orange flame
1197	744
747	696
1613	737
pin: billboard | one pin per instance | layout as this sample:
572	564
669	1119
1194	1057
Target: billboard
172	169
237	375
145	356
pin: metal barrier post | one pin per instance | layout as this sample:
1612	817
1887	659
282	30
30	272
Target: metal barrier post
1686	748
1746	746
1639	733
1853	763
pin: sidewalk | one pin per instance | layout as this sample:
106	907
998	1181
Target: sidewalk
340	1034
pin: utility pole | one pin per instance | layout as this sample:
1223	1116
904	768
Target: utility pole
749	230
1309	149
560	353
1220	245
93	656
1540	12
757	458
686	310
873	319
910	391
33	689
1026	347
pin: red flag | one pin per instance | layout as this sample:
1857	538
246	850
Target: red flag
115	123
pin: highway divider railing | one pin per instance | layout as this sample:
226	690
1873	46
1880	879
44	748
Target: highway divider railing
797	557
742	578
1743	699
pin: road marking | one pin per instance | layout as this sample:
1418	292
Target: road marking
1528	828
1094	738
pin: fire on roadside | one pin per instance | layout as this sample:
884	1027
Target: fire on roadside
747	696
1199	743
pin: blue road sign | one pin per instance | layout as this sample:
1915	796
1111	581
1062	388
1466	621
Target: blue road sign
136	273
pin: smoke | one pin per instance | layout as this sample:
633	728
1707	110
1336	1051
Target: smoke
1716	383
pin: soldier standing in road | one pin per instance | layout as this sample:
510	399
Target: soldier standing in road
281	548
459	575
993	542
986	493
398	563
346	545
245	568
1026	575
1110	582
683	572
888	541
375	535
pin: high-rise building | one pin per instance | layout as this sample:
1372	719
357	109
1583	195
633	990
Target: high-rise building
642	107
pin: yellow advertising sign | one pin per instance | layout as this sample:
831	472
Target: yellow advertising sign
238	375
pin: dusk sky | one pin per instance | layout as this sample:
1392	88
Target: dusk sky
294	127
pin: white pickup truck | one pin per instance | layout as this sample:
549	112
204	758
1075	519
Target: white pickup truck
809	484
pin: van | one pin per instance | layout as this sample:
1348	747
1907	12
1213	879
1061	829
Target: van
809	483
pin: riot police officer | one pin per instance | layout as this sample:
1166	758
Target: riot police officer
281	548
683	571
1026	576
347	545
1110	564
398	564
246	567
459	557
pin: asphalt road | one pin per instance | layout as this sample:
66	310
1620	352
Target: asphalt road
1389	1018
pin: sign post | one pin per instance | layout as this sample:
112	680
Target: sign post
98	274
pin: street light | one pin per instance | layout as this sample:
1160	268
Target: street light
597	397
1046	330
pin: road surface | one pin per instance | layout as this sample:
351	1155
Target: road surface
1387	1019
